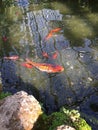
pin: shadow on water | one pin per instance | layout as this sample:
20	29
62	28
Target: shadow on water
76	52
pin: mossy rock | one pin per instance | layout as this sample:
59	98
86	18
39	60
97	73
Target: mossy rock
63	117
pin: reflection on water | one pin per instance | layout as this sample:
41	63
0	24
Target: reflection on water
23	30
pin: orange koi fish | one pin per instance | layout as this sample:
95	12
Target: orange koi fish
54	56
51	33
26	65
55	30
48	36
15	57
45	67
45	54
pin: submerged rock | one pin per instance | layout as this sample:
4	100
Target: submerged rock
19	112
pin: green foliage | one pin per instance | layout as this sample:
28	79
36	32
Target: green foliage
77	121
64	117
3	95
52	121
81	125
71	113
57	119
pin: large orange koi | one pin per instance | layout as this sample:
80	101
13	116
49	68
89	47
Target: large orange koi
45	67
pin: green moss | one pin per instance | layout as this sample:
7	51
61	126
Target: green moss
3	95
57	119
77	121
64	116
52	121
81	125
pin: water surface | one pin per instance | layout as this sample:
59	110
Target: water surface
23	28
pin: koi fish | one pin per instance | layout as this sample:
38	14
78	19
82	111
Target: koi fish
55	30
26	65
45	54
51	33
48	36
15	57
45	67
54	56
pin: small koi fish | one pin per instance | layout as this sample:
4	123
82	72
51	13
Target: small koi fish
54	56
45	67
51	33
55	30
26	65
15	57
45	54
49	36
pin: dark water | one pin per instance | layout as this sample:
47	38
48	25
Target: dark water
23	28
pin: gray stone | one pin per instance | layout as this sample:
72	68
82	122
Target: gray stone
19	112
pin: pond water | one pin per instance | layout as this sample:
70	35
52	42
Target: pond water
24	27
